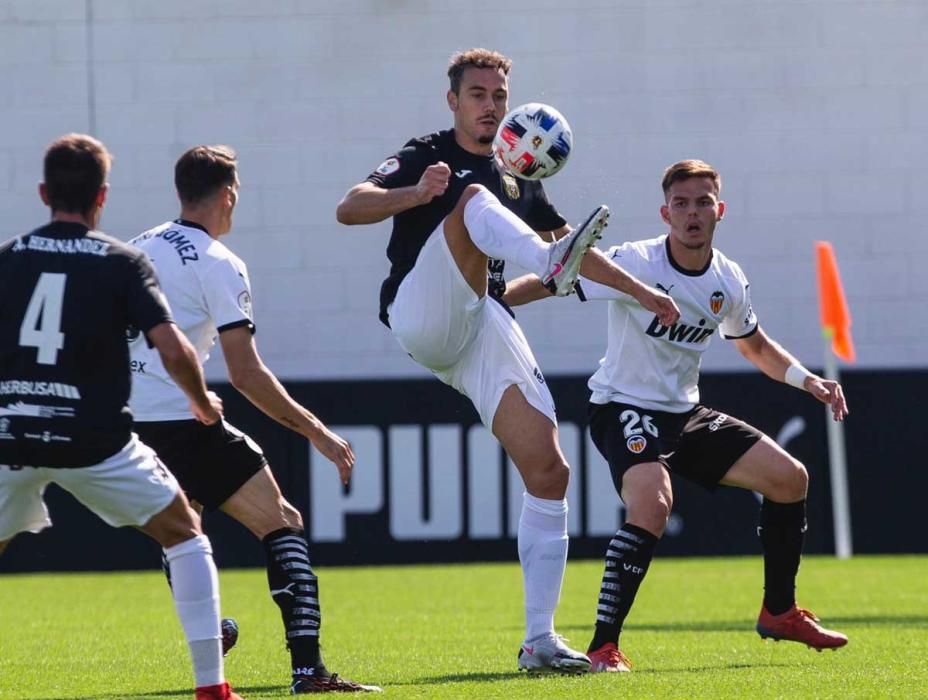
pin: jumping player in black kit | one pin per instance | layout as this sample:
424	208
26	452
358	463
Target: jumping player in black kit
67	295
646	419
456	219
218	466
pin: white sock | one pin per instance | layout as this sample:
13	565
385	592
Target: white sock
500	234
543	554
195	586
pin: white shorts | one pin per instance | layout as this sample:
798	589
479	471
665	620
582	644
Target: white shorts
469	342
128	488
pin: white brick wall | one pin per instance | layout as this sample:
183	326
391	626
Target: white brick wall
814	110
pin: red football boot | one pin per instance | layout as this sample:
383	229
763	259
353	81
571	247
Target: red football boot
217	692
609	659
798	625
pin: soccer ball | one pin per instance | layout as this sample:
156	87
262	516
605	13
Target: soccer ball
533	141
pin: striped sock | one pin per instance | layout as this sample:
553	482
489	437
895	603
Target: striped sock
295	590
627	559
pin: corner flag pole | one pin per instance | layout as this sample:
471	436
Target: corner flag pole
836	333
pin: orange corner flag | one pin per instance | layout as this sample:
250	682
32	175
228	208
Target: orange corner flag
836	319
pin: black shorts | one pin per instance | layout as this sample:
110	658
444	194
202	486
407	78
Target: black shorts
211	462
700	445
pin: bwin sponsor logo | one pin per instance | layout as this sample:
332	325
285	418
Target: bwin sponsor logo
680	332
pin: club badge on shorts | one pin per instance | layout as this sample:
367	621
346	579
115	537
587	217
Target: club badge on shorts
636	444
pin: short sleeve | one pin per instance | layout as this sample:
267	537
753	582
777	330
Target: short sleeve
740	322
540	214
228	296
147	306
620	255
403	168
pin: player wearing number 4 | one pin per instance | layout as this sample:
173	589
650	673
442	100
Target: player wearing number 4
456	219
67	294
646	420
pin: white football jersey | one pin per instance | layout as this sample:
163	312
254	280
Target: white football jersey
207	288
651	365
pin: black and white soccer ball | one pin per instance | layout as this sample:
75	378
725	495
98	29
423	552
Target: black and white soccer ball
533	141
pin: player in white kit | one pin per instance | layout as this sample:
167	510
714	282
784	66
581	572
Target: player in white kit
646	420
218	466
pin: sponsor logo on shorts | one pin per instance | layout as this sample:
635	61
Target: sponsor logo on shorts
716	301
717	423
636	444
389	166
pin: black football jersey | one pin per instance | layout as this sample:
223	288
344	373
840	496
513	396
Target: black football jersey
412	227
67	297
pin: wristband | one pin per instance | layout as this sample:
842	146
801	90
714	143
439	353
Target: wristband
796	376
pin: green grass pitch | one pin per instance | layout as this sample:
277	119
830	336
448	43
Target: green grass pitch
453	632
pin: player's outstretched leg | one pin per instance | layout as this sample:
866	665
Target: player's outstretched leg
782	532
499	233
530	438
628	557
295	589
566	254
542	542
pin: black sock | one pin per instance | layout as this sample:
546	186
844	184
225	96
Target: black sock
295	590
627	559
782	531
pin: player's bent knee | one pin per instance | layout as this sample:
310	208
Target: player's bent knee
650	513
791	483
548	480
175	524
799	481
291	516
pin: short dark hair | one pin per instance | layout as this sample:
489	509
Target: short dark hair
76	167
202	170
475	58
686	169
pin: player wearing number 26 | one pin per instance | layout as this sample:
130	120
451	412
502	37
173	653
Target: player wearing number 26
646	419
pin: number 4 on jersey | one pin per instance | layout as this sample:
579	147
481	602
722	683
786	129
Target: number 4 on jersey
41	327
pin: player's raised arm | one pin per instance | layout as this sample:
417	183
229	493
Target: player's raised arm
773	360
257	383
367	203
180	361
598	268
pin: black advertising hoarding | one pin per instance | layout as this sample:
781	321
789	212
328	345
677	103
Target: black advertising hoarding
431	484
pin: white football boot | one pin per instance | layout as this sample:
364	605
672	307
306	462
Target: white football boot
549	654
567	253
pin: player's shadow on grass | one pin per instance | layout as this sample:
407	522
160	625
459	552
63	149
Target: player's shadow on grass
743	625
484	677
490	677
179	693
